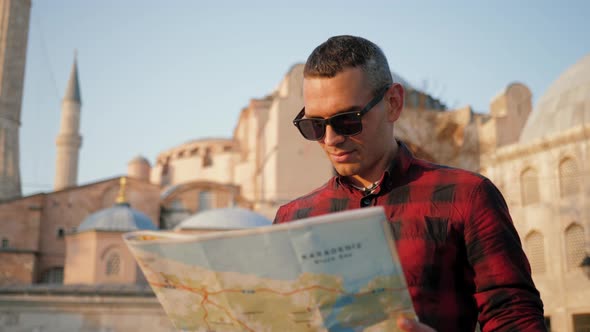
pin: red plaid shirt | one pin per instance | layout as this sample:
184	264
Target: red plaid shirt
459	250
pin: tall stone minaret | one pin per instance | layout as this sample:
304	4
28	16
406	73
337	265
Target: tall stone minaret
14	30
69	140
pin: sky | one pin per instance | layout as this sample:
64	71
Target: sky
156	74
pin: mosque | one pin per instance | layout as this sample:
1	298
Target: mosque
64	267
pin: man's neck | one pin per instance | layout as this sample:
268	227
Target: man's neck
366	182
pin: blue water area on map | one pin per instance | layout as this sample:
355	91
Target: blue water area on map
331	321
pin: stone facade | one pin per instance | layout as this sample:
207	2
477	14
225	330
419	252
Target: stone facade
82	309
139	168
39	224
510	110
17	265
198	160
98	258
273	164
14	29
551	210
544	178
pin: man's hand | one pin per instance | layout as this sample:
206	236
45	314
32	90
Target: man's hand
410	325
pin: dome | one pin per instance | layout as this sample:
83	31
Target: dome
139	160
120	217
224	219
565	105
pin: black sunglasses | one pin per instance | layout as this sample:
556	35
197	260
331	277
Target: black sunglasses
345	124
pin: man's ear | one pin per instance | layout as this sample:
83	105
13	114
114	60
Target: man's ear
395	99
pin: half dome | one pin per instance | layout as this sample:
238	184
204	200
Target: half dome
120	217
224	219
565	105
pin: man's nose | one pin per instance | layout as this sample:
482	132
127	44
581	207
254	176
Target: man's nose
331	137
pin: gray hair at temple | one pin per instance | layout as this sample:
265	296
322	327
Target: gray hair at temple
341	52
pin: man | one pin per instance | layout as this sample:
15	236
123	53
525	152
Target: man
460	252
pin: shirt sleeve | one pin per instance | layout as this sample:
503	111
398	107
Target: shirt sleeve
281	215
506	296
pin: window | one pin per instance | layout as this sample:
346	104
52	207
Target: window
173	214
5	243
548	323
113	264
207	159
165	173
529	186
54	275
568	177
574	246
581	322
205	200
535	249
178	212
60	232
177	206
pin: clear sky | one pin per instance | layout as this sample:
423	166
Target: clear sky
155	74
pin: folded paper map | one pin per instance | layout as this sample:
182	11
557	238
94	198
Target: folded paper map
338	272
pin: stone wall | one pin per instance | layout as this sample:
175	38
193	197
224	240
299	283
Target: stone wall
39	223
81	312
17	267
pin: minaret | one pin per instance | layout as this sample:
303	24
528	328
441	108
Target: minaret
14	30
69	140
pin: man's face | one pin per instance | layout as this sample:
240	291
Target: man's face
361	156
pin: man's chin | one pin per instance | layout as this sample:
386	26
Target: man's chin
342	170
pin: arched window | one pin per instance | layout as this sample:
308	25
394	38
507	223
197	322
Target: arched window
529	186
568	177
534	247
207	158
113	264
60	232
206	200
574	246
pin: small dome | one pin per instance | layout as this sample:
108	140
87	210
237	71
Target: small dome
120	217
139	160
224	219
565	105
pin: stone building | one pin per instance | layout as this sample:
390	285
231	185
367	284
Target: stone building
545	179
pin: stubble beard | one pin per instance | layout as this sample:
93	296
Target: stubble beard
346	169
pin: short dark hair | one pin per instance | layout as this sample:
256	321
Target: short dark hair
341	52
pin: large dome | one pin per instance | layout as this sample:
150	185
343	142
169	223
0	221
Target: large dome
566	104
224	219
120	217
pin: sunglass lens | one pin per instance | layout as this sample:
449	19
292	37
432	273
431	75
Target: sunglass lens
312	129
347	124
